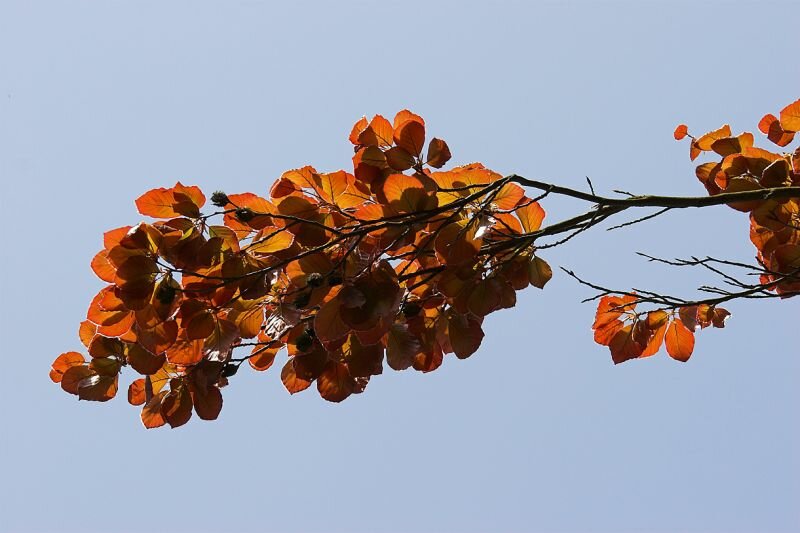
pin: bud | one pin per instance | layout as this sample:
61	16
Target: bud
245	214
229	370
314	279
219	199
410	309
302	300
165	294
303	342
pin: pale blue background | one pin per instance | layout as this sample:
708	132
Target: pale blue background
538	432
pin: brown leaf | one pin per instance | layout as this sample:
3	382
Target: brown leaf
335	383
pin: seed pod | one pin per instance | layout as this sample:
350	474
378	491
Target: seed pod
245	214
314	279
219	199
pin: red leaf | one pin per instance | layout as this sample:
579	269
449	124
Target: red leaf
680	132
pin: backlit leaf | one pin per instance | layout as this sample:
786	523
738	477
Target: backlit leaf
335	383
438	153
64	362
790	117
679	340
539	272
680	132
151	412
465	334
176	407
410	136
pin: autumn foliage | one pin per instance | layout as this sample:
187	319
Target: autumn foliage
395	263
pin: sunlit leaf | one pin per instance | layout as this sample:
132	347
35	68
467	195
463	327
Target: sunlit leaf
679	340
539	272
438	153
64	362
335	383
790	117
681	131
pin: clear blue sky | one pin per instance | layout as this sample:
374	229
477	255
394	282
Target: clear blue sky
538	432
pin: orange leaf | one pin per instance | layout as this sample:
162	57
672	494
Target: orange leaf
405	115
185	352
290	380
399	159
407	194
86	332
679	341
438	153
771	127
656	322
531	216
333	187
248	315
136	394
169	203
623	346
508	196
143	361
377	133
741	185
410	136
610	308
151	412
766	122
262	358
64	362
358	127
103	267
790	117
680	132
704	143
270	240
